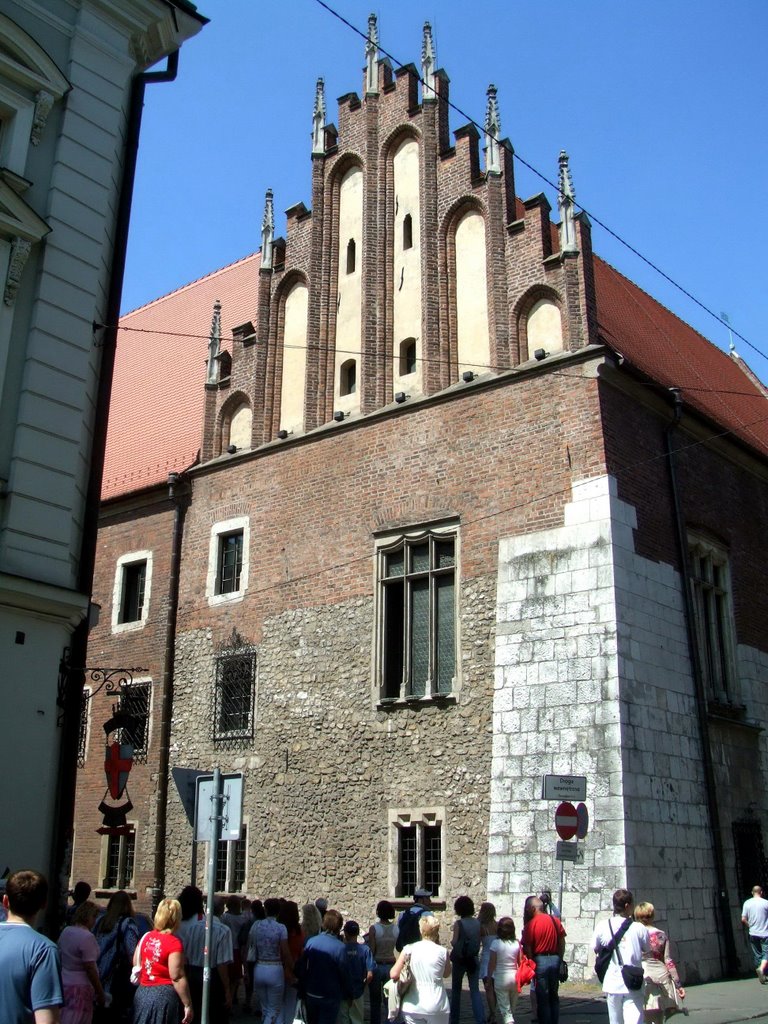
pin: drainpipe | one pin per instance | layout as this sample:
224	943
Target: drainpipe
725	930
73	685
179	492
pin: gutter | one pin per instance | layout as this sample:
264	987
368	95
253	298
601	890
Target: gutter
61	847
725	935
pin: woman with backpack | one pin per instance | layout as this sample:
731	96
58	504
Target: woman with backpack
117	934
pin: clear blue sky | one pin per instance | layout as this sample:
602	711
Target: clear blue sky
660	104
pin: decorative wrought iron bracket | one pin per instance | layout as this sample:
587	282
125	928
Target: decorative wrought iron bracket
112	680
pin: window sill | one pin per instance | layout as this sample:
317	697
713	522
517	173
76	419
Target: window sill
104	894
403	903
397	703
733	714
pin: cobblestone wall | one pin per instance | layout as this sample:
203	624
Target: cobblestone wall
327	767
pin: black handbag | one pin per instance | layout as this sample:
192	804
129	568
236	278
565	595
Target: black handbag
603	958
563	971
632	976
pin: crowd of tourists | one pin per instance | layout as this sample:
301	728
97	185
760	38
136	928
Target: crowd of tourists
308	964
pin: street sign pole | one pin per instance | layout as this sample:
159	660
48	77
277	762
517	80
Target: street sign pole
213	846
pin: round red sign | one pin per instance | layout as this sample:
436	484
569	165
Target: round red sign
566	820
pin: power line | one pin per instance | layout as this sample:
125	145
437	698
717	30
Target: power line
592	216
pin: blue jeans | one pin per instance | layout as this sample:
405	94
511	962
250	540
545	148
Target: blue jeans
321	1010
380	976
457	977
547	985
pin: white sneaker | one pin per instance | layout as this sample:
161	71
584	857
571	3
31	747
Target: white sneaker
760	975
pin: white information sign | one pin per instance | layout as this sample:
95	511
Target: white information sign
564	787
231	807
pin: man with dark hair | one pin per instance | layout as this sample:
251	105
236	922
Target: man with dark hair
322	973
620	932
408	922
30	983
80	894
360	965
543	940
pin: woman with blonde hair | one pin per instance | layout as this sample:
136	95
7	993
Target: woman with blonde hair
311	921
79	974
163	989
425	1001
663	992
486	915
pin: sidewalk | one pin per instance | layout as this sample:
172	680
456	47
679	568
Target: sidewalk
715	1002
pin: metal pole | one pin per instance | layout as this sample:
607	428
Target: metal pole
560	898
213	846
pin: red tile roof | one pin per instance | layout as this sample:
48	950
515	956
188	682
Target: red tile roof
669	351
156	413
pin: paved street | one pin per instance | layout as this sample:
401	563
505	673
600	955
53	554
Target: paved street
719	1002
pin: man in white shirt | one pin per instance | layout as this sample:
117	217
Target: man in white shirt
624	1006
754	914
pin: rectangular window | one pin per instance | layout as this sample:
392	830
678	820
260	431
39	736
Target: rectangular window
132	592
230	863
419	854
234	697
135	700
230	563
710	582
120	852
418	616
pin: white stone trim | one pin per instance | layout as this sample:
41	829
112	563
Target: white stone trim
219	530
398	818
131	558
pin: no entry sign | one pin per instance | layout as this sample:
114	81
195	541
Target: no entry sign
566	820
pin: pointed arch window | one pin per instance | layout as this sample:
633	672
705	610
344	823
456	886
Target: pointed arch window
348	377
351	256
407	231
407	356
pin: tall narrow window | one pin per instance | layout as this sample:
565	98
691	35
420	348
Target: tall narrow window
713	617
418	608
407	231
231	859
418	851
120	854
233	711
348	379
132	596
351	256
230	563
407	356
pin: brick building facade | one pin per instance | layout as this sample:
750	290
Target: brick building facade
453	473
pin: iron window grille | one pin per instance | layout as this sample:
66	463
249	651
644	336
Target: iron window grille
713	618
121	852
418	606
230	563
82	734
135	700
134	581
420	858
234	694
230	863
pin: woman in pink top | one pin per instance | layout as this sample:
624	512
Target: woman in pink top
79	974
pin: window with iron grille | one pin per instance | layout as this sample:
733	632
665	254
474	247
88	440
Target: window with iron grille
417	626
118	872
231	860
135	700
713	615
418	853
82	735
230	563
132	592
234	693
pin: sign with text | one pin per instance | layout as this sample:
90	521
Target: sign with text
571	852
564	787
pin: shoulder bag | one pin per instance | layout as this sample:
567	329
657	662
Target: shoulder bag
405	980
603	958
631	975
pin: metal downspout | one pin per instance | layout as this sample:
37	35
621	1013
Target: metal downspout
72	696
725	930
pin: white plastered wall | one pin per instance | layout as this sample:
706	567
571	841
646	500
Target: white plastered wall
350	294
544	328
593	678
406	296
294	360
472	294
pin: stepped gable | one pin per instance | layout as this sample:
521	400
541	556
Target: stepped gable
158	393
669	351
